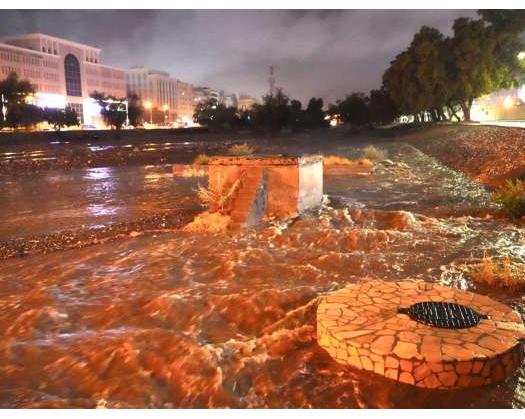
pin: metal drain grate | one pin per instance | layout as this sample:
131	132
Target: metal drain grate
444	315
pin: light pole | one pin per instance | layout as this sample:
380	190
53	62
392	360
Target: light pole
4	108
166	109
147	104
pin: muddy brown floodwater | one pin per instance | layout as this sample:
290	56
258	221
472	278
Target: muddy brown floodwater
183	319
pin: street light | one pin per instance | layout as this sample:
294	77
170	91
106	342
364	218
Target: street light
147	104
165	108
4	109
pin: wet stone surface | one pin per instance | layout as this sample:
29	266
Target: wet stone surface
361	326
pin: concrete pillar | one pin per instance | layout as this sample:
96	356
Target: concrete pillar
255	188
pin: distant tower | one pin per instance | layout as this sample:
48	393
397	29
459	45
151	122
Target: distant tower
271	81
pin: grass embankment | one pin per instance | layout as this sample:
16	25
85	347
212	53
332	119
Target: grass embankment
487	154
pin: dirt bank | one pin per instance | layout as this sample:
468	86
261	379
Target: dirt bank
489	155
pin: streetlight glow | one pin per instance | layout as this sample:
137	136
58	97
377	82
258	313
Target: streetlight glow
148	105
508	102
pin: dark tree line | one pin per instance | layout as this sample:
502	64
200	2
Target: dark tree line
439	77
276	112
20	113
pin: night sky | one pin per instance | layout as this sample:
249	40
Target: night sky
315	53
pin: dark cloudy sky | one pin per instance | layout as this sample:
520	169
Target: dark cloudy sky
316	53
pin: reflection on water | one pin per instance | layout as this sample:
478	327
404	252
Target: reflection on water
200	320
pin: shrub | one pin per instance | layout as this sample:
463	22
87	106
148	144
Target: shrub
201	159
511	196
343	161
498	273
241	149
336	161
221	200
374	153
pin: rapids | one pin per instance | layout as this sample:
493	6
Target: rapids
198	319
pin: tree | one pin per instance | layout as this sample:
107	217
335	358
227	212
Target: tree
417	80
274	113
135	110
474	69
60	117
314	114
506	27
215	115
113	110
296	115
17	94
381	107
354	109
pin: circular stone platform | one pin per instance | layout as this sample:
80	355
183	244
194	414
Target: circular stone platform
360	326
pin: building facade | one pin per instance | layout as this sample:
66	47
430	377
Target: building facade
158	90
246	102
63	73
203	94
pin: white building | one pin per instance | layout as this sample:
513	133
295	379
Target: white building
161	92
64	73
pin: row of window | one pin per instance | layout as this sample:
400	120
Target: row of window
51	76
33	74
19	58
48	50
50	88
8	70
105	73
50	64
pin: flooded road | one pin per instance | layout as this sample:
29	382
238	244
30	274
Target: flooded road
183	319
41	203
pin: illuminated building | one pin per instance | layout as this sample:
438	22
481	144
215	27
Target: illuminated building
63	73
158	90
246	102
202	94
230	100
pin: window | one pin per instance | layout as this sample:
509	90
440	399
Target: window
72	73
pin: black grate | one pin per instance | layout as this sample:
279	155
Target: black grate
445	315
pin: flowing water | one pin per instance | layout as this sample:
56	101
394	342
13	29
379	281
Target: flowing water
181	319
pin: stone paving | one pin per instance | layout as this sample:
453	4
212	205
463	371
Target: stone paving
360	326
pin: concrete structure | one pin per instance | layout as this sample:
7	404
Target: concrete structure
160	91
266	187
64	73
362	326
245	102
